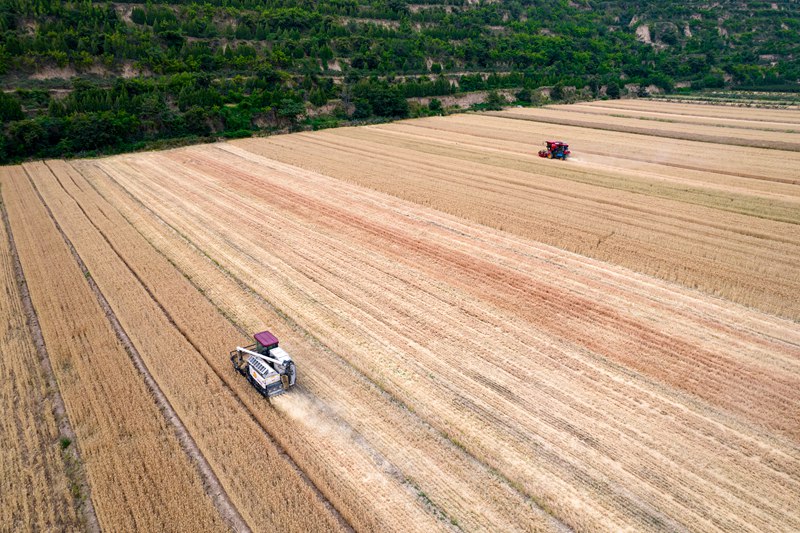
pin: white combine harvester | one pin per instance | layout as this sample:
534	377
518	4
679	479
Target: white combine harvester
268	368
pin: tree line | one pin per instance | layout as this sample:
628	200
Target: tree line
228	67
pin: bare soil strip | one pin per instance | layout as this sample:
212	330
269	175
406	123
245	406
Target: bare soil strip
138	474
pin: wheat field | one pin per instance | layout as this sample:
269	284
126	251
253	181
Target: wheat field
31	454
138	475
486	340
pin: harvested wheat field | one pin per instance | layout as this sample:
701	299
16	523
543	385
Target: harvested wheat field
485	340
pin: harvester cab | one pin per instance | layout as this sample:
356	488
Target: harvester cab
267	367
555	150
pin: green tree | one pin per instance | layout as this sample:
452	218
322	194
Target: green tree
196	121
524	96
363	109
92	131
495	101
10	108
26	137
386	100
290	109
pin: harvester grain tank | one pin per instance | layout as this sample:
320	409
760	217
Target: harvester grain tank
268	367
555	150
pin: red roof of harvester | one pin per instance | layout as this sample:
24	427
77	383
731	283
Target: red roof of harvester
266	338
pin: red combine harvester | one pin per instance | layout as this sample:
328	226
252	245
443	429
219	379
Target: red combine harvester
555	150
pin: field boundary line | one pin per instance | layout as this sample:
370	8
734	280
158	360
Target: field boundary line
558	523
279	448
74	467
211	483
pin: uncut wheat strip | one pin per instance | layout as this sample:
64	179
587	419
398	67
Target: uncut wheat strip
327	457
463	489
741	161
210	411
33	477
100	387
707	134
788	116
584	240
241	259
664	116
608	171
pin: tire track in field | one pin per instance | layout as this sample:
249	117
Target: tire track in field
213	487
